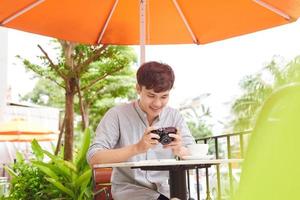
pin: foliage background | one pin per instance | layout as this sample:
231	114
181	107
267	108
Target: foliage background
256	88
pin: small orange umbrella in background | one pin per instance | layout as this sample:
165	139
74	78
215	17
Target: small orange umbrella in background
16	135
133	22
22	130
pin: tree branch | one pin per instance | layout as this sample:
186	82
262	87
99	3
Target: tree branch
80	57
92	97
96	54
84	121
41	74
101	77
52	65
62	128
52	79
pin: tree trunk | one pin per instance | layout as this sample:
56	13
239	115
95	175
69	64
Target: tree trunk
86	114
62	130
69	123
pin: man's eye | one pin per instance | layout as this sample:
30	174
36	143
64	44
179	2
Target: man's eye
151	96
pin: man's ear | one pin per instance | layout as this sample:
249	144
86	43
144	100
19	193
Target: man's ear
138	88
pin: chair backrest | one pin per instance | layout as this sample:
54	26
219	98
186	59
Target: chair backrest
102	183
271	168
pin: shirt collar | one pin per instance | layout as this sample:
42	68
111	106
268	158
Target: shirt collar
144	114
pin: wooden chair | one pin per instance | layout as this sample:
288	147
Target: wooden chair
102	183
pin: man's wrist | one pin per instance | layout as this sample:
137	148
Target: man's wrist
135	149
138	149
181	151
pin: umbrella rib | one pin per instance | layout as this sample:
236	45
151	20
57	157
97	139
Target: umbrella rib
22	11
195	40
142	31
273	9
107	21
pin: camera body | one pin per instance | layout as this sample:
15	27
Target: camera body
164	134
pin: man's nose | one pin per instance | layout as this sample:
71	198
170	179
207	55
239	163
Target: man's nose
157	102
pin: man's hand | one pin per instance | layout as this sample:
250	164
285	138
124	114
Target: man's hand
176	145
148	140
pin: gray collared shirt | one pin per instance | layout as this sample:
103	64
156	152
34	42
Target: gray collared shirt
124	125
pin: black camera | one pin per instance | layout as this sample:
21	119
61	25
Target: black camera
164	134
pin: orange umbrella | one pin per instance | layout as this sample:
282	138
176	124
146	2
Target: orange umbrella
21	130
146	21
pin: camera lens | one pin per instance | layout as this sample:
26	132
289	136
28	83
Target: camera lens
165	140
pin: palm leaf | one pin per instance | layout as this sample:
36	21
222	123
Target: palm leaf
86	176
10	171
84	148
37	150
61	187
46	170
63	163
55	168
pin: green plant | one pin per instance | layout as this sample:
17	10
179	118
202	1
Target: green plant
55	179
257	88
200	130
72	179
28	183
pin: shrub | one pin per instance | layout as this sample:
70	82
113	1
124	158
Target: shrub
28	182
55	179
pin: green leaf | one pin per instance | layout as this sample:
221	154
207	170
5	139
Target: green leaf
58	160
37	150
46	170
83	191
10	171
19	157
61	187
56	169
84	148
64	166
86	176
70	165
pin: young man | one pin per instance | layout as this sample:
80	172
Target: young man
124	134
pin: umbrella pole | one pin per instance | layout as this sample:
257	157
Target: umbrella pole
142	54
142	31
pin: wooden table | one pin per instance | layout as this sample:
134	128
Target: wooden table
176	168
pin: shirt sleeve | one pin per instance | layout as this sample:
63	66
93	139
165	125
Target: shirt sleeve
186	135
107	134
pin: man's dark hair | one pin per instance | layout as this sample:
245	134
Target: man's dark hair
157	76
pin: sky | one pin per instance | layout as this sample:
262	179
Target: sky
214	68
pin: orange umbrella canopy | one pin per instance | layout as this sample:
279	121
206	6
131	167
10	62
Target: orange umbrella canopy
167	21
20	130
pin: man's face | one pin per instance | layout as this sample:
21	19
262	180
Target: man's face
151	102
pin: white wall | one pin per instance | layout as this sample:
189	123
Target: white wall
3	70
47	117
